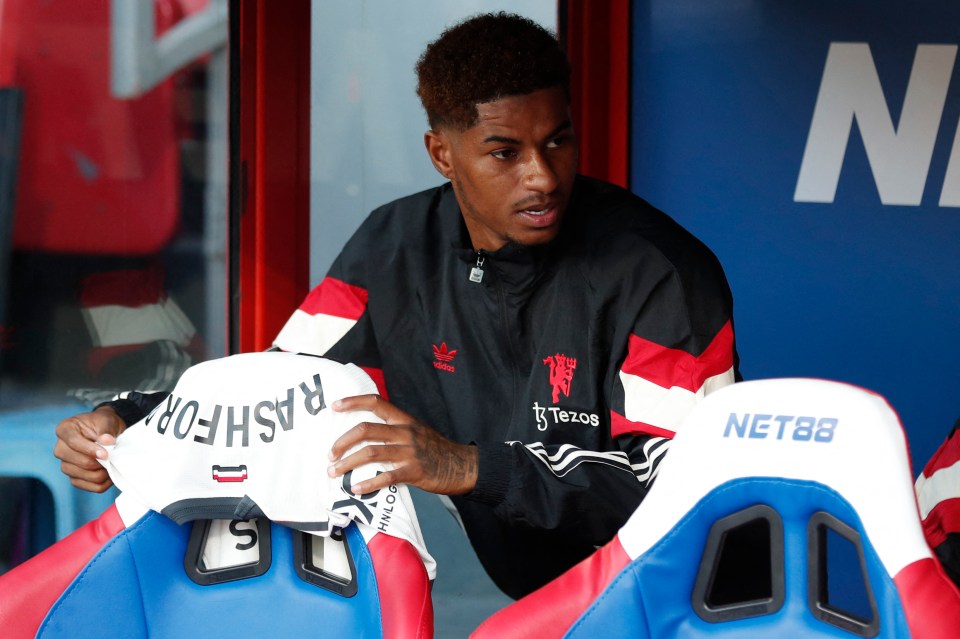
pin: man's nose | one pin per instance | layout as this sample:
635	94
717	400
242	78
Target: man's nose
539	174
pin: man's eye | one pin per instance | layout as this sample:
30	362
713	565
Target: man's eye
504	154
558	141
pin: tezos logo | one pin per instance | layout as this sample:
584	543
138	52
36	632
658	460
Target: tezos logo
545	415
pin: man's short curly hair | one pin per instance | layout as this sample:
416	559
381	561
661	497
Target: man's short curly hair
485	58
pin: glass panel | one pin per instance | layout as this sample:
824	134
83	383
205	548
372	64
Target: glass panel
112	212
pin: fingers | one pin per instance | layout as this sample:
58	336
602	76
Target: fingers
77	441
366	432
356	402
107	440
391	447
416	454
375	404
379	482
86	474
80	441
371	431
81	459
96	481
401	458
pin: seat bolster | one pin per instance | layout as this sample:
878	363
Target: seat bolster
553	609
32	587
405	601
931	601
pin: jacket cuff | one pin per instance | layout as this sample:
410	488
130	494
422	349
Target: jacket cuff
129	411
495	462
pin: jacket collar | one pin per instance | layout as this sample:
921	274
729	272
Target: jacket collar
517	266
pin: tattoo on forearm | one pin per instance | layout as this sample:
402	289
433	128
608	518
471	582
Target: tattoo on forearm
451	467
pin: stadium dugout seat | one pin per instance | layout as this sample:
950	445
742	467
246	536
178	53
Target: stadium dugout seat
785	508
188	548
148	579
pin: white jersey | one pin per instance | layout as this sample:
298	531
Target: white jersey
248	436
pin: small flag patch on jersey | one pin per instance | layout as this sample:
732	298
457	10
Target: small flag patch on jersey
229	473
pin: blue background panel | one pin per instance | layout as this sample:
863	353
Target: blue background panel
851	289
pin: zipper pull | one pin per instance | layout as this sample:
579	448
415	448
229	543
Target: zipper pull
476	273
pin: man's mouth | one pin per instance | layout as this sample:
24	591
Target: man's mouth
541	215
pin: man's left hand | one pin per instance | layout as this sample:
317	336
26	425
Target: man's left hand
420	456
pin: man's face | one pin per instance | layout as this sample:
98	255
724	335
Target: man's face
512	172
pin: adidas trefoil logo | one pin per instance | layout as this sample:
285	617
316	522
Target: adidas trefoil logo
443	357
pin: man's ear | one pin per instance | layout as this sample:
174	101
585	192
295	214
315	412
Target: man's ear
438	148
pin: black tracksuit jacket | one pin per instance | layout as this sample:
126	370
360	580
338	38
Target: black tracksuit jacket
569	365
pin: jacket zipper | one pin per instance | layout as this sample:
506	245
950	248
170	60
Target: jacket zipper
505	329
476	273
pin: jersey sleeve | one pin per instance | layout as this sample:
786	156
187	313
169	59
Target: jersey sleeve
333	320
678	346
133	406
681	347
657	385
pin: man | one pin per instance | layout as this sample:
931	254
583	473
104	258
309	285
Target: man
536	336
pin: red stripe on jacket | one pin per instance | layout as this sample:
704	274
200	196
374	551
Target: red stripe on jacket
669	367
337	298
620	425
376	374
943	519
946	456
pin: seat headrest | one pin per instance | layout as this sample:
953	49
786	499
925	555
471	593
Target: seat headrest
835	434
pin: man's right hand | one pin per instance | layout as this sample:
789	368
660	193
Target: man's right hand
80	441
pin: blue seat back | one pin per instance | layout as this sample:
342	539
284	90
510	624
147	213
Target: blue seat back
656	595
136	586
